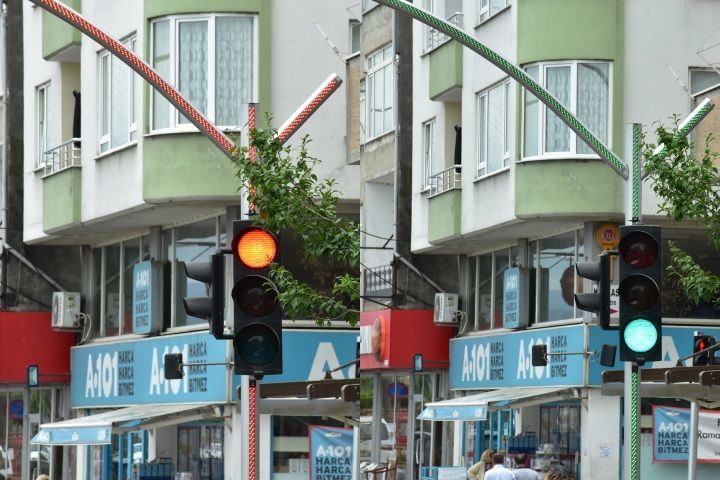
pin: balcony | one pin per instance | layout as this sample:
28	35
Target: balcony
446	64
60	40
378	281
62	186
445	205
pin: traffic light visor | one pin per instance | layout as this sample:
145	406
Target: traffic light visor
639	249
640	335
255	248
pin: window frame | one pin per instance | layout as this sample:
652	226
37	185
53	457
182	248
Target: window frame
42	138
480	156
375	67
174	115
572	108
429	149
129	42
483	8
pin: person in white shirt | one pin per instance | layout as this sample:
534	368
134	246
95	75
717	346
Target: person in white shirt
499	472
522	472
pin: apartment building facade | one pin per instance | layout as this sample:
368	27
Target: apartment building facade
112	169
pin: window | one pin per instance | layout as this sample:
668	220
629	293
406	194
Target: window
354	36
380	85
493	129
584	89
118	123
212	60
485	304
554	261
488	8
702	79
200	450
431	162
363	112
42	94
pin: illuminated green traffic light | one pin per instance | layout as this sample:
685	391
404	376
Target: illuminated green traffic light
640	335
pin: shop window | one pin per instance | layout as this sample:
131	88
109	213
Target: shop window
394	392
195	242
200	450
291	445
675	303
554	261
485	302
559	441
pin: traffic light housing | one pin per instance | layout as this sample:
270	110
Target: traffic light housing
257	339
598	302
701	342
640	287
212	307
173	366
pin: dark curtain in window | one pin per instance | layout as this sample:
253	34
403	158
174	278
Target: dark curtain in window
76	119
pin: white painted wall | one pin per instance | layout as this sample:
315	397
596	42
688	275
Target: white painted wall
301	60
489	201
656	38
599	427
112	183
36	72
378	220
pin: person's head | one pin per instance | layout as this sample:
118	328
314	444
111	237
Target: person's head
498	459
43	477
521	460
487	456
558	475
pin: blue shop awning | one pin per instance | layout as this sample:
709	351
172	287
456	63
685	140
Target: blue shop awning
476	407
98	429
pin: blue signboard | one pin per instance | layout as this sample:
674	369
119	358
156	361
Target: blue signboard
331	455
131	372
147	313
516	297
676	342
505	360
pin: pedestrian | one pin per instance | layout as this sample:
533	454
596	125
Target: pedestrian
522	469
477	471
558	475
43	477
499	472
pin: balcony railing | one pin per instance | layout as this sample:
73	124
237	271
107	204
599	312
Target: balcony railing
378	281
63	156
435	38
446	180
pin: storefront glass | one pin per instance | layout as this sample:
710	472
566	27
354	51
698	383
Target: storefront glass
559	442
485	304
394	392
200	450
291	445
193	243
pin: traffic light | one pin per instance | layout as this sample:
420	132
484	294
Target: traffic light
257	337
701	342
598	302
212	307
640	285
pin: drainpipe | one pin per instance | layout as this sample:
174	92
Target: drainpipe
4	172
396	172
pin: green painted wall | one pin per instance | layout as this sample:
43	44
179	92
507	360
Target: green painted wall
571	30
158	8
58	35
446	69
444	212
186	166
62	194
566	187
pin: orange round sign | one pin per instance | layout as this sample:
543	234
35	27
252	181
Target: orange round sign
607	236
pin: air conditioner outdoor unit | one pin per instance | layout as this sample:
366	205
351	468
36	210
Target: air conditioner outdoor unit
66	310
446	308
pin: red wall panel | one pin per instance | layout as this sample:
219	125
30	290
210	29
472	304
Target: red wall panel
27	339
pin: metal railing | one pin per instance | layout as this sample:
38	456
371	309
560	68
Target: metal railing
63	156
448	179
378	280
435	38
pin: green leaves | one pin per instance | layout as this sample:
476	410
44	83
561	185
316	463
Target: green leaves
688	189
289	195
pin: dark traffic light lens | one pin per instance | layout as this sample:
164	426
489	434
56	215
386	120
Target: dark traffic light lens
256	344
254	296
638	291
639	249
